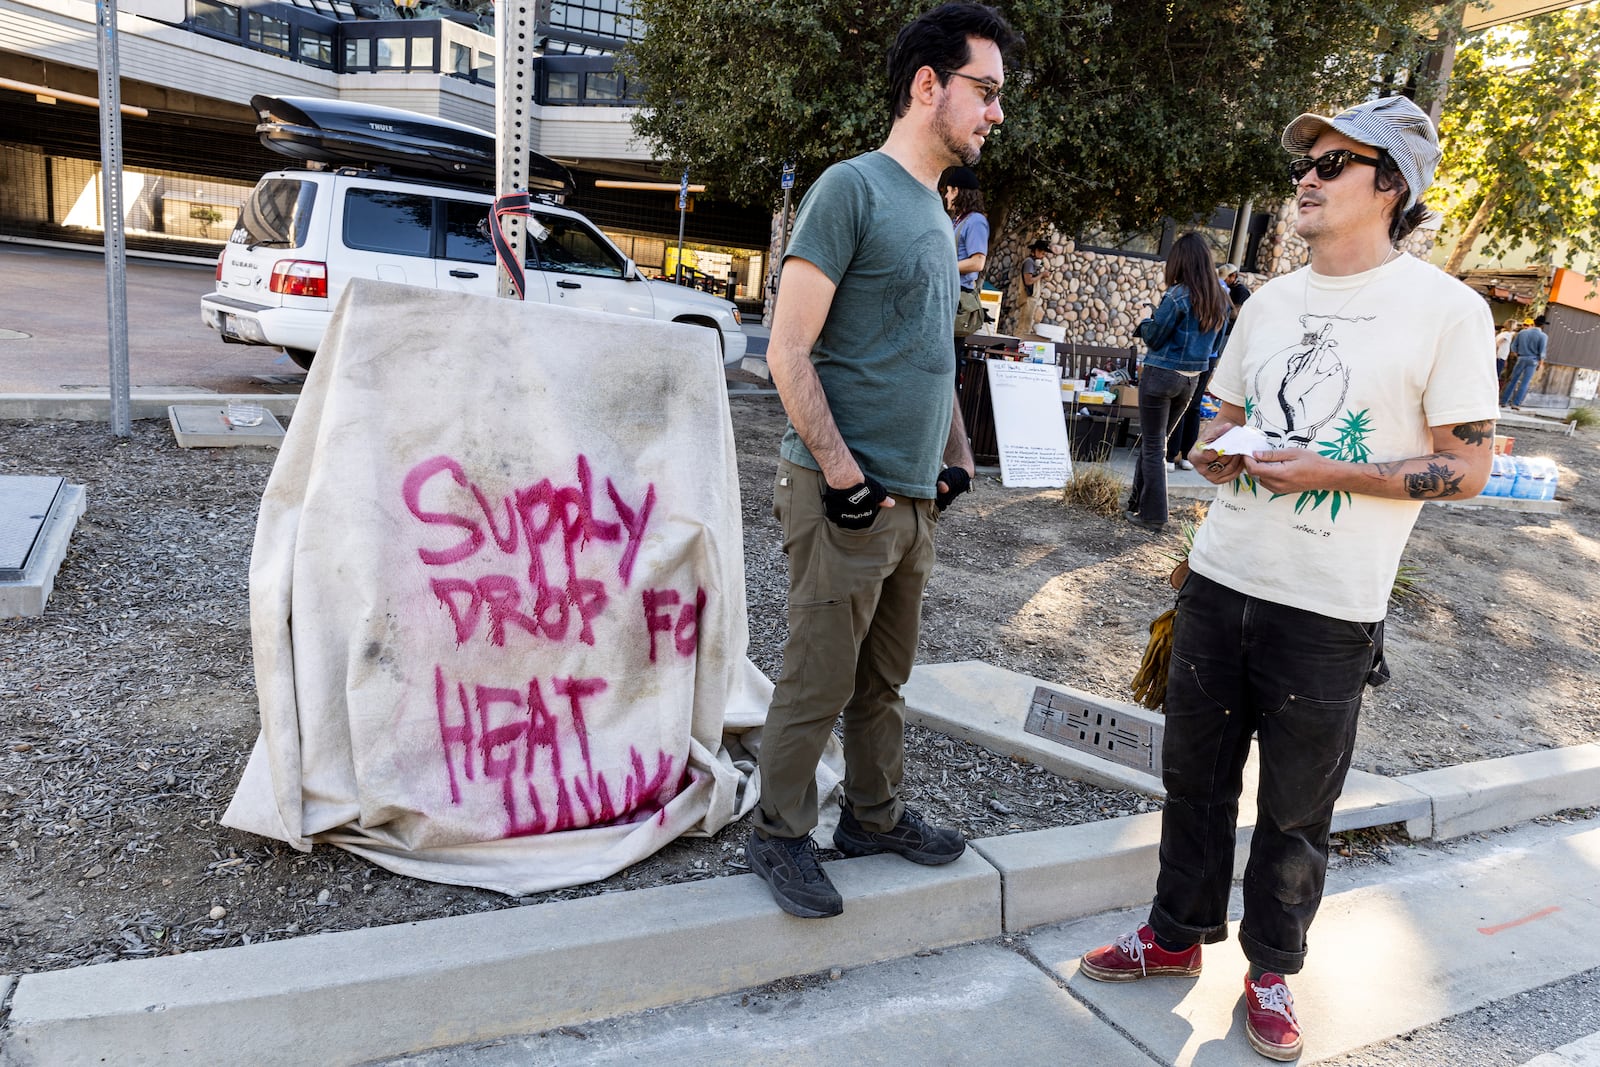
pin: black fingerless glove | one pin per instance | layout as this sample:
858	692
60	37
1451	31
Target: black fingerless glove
856	507
958	480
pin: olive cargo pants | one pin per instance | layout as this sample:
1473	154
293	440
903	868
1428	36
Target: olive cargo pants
855	611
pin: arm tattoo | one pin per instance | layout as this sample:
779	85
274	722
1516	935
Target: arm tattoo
1475	433
1437	481
1386	469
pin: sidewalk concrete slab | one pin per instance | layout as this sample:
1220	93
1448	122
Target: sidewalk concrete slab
980	1004
1585	1052
25	597
1386	957
988	705
1489	794
208	426
391	990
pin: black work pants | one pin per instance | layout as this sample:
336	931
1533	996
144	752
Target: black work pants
1292	678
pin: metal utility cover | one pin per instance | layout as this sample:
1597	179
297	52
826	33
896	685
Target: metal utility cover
25	503
1116	733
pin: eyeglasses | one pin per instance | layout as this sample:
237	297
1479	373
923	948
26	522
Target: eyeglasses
991	91
1329	165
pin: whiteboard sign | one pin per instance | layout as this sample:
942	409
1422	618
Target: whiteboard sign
1029	424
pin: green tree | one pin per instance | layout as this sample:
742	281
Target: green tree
1117	114
1521	132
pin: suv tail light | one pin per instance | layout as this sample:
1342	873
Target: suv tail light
224	252
299	277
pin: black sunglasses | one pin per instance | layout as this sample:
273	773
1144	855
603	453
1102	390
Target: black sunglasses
991	91
1329	165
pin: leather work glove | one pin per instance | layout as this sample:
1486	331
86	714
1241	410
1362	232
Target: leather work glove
854	508
957	481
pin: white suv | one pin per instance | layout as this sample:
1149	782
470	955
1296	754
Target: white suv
303	234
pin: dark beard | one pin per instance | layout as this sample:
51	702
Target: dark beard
959	147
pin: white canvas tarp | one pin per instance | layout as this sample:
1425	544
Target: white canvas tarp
497	595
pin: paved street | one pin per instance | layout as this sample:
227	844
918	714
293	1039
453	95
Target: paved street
58	297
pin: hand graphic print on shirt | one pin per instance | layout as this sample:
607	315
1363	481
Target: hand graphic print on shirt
1296	394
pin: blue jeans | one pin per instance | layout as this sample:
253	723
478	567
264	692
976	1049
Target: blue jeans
1293	679
1163	396
1516	389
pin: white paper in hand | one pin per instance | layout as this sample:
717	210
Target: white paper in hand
1240	441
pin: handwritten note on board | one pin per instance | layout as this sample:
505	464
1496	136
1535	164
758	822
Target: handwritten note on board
1029	423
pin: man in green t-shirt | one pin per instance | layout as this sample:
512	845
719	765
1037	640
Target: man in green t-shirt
875	449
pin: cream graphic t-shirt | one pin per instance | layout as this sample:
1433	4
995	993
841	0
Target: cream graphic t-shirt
1358	368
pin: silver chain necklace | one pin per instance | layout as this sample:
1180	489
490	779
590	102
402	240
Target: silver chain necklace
1309	337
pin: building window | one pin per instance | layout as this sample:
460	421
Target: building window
391	53
316	48
461	59
357	53
267	32
602	86
216	17
563	85
422	54
486	67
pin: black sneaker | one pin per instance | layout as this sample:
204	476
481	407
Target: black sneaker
911	838
790	867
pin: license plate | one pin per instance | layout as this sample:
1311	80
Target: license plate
230	328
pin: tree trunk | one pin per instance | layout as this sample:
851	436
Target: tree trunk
1480	218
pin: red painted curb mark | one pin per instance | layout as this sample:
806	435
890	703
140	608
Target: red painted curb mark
1541	913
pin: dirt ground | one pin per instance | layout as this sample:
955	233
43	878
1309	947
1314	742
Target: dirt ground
127	711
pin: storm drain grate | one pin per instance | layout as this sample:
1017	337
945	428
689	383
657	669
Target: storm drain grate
25	503
1118	734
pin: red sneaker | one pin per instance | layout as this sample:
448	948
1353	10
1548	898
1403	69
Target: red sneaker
1135	956
1270	1021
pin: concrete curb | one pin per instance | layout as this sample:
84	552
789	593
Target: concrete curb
94	405
366	994
1474	797
372	993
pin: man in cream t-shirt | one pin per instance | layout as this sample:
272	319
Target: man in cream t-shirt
1352	391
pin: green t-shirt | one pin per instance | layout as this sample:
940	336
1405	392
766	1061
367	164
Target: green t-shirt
886	354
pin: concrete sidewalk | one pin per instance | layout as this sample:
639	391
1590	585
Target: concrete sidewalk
1396	948
368	994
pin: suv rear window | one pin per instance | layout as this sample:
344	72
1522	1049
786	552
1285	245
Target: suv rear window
377	220
278	213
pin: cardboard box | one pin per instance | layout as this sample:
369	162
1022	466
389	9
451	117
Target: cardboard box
1091	396
1128	395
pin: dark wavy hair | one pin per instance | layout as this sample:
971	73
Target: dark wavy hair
1401	220
968	202
939	39
1190	264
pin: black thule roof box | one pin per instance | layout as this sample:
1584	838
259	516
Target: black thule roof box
350	134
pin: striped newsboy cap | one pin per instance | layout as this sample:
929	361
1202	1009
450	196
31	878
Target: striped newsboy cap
1394	124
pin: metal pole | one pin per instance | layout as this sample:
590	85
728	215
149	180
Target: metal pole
514	26
783	232
683	205
1241	233
111	215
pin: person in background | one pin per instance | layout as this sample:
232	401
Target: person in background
874	451
1502	346
1029	306
1370	375
1529	347
964	203
1188	433
1182	336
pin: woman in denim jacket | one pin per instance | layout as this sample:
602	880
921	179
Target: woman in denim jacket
1182	336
